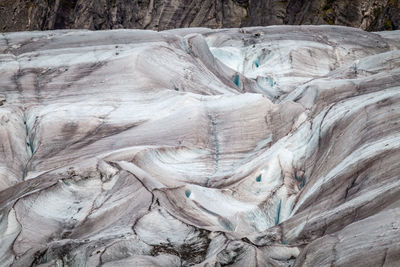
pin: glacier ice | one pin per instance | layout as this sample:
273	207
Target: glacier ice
260	146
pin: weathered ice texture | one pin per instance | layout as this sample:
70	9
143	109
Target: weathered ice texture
21	15
265	146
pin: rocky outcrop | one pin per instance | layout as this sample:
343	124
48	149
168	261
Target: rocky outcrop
17	15
267	146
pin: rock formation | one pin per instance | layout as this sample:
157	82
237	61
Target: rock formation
263	146
371	15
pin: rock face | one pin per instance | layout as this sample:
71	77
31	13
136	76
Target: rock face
266	146
20	15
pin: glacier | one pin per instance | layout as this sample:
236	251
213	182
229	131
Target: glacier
261	146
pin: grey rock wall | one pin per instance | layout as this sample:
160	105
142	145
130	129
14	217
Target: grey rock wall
20	15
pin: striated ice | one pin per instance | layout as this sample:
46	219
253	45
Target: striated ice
263	146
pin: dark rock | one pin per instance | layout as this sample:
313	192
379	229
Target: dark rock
23	15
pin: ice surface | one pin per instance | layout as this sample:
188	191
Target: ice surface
263	146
